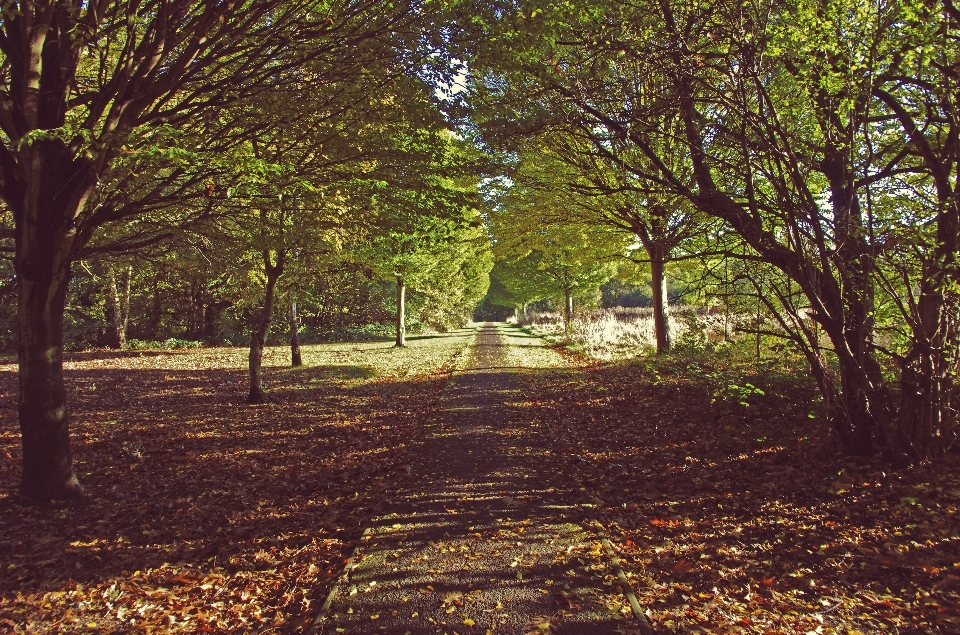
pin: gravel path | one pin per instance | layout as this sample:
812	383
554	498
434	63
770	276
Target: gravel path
479	538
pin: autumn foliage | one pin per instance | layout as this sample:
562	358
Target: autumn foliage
208	515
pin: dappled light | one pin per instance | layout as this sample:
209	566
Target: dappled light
478	535
480	318
741	518
207	511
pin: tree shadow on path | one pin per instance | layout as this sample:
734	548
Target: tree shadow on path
480	534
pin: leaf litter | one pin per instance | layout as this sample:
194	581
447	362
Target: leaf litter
733	511
207	514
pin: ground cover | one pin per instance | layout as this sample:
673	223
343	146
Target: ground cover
479	537
206	514
733	511
730	506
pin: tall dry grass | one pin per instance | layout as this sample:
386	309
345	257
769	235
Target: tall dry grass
621	332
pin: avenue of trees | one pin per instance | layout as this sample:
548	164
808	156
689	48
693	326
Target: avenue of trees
821	137
218	170
257	138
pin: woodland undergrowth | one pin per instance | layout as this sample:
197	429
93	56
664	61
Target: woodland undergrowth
624	333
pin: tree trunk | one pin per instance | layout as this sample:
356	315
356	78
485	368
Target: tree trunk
842	302
258	336
156	314
401	317
115	339
198	307
125	305
295	357
567	310
658	285
47	460
53	188
211	321
928	421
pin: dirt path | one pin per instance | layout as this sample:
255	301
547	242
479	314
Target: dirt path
479	537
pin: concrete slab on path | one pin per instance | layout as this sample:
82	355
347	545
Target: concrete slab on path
479	538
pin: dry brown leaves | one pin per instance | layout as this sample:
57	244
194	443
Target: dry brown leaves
744	517
207	515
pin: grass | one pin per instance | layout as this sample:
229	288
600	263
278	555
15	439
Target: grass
623	333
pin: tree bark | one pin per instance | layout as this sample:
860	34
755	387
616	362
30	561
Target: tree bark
295	358
115	339
401	317
258	336
211	321
44	250
48	472
841	301
46	183
156	313
651	233
125	305
928	422
567	310
658	285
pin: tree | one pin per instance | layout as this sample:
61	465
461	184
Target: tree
585	168
789	130
548	257
458	276
85	83
427	217
118	296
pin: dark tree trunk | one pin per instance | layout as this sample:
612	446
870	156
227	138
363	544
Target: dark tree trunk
401	317
863	394
928	422
842	301
44	250
195	318
211	321
258	336
928	417
295	358
47	460
650	234
658	286
156	313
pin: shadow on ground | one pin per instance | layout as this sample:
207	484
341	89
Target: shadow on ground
197	494
479	534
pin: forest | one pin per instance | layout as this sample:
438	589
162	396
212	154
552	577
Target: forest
253	253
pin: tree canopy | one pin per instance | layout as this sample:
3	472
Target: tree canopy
801	157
